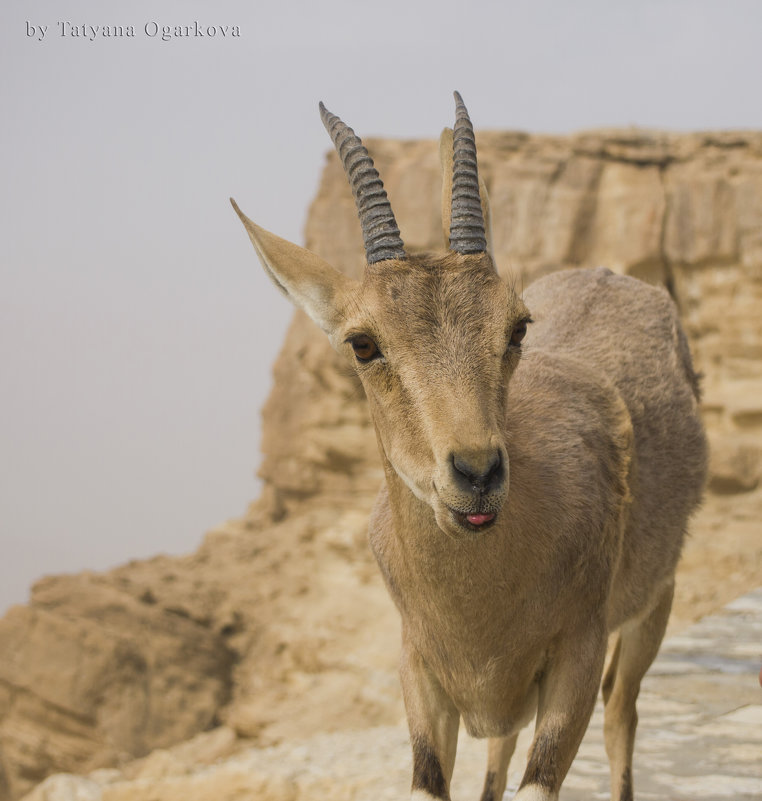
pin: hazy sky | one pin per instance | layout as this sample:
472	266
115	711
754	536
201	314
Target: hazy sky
137	329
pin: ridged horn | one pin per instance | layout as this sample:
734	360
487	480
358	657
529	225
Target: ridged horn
379	228
467	233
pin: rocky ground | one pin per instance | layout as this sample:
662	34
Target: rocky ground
699	737
277	631
327	721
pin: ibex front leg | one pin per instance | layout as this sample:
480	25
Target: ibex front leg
567	696
433	721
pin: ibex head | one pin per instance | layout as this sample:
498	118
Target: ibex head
434	339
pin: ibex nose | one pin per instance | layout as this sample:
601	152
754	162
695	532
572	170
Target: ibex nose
482	471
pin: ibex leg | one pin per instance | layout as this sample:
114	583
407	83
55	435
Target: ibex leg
433	722
637	645
499	753
567	697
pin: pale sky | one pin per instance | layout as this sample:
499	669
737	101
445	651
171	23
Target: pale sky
137	329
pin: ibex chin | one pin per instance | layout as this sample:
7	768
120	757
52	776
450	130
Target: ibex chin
538	478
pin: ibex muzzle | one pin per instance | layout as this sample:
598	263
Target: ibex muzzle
535	502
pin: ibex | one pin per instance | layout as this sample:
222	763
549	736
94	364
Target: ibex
538	479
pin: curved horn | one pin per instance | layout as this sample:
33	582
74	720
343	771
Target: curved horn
379	228
467	233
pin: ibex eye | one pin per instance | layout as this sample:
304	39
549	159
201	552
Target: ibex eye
365	348
519	332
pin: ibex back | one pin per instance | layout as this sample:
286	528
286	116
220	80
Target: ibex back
537	487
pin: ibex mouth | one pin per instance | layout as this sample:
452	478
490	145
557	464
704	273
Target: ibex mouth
474	522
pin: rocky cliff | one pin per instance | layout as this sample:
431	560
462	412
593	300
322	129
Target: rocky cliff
278	627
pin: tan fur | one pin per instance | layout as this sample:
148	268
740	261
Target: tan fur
595	423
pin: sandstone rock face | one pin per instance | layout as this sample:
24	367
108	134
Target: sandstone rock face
92	674
279	627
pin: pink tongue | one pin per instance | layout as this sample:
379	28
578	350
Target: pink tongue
478	520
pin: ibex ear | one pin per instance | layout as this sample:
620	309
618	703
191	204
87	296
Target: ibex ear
445	159
307	280
487	214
